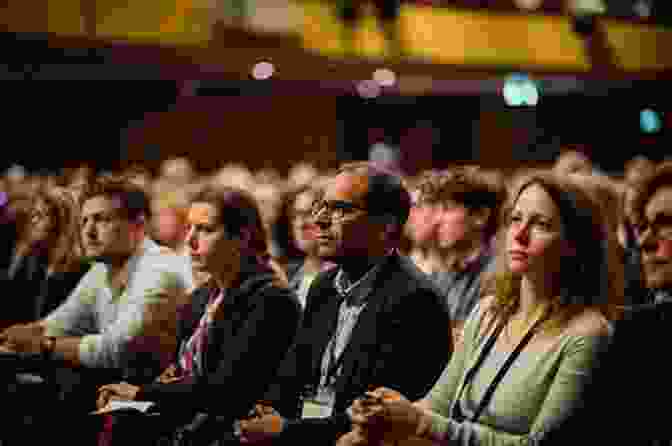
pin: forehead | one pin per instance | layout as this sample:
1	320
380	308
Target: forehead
202	213
535	199
100	204
347	187
661	201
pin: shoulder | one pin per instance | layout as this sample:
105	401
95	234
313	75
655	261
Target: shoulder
589	323
166	270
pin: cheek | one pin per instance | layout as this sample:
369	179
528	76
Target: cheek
664	249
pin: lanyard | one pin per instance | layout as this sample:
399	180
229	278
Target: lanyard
500	374
346	312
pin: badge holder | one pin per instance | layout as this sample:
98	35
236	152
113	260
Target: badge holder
319	404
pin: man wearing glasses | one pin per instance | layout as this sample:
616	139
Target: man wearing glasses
375	320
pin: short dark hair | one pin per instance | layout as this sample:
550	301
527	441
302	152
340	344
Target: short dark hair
661	177
386	194
134	202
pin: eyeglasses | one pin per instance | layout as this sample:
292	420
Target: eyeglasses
661	226
336	209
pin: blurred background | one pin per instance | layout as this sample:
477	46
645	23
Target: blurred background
271	83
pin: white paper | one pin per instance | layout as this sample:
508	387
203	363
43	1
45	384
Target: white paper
112	405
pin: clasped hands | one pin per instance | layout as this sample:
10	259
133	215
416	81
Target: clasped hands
262	425
385	415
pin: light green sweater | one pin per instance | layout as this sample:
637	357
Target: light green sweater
540	390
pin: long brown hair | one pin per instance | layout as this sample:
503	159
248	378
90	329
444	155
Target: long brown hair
63	244
591	278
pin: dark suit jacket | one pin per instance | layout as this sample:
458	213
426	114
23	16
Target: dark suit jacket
401	340
626	401
252	332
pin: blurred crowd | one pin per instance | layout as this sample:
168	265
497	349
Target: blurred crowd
274	250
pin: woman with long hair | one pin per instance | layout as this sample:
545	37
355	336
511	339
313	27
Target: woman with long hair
232	336
46	264
532	345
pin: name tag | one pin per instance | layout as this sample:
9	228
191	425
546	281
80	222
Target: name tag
319	406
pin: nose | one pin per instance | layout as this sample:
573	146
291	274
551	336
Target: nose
89	230
521	233
322	219
646	240
191	238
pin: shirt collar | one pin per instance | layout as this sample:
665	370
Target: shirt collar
356	293
662	295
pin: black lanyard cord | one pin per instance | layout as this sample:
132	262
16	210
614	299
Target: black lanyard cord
500	373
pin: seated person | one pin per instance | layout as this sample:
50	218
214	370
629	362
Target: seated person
238	328
46	263
365	320
549	312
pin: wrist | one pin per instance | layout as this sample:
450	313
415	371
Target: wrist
47	346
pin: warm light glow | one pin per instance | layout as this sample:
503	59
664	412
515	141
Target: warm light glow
528	5
385	77
263	70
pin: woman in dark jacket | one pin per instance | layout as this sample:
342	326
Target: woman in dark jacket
232	337
45	263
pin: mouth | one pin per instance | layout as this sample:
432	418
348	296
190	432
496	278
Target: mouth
519	255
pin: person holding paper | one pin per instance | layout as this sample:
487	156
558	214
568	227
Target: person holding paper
237	330
365	322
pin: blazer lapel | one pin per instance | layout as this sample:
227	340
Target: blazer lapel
386	285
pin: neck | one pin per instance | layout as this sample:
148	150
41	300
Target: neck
312	264
428	259
535	296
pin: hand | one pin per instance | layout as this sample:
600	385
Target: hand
356	437
170	375
23	338
261	428
122	391
389	414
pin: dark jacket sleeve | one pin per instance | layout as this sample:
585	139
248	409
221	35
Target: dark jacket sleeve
245	368
420	340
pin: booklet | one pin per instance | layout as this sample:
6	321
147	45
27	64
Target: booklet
113	405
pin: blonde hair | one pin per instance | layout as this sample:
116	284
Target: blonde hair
587	228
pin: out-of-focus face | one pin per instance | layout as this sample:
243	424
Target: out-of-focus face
454	225
303	226
42	221
106	232
212	250
535	242
655	239
422	224
169	227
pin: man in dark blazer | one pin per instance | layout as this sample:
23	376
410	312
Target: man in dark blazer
373	320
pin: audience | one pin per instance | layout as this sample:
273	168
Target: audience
539	312
228	346
109	276
365	321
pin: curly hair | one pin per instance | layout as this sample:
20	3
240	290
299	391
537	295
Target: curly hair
63	246
591	278
470	186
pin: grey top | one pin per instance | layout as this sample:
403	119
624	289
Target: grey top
462	289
